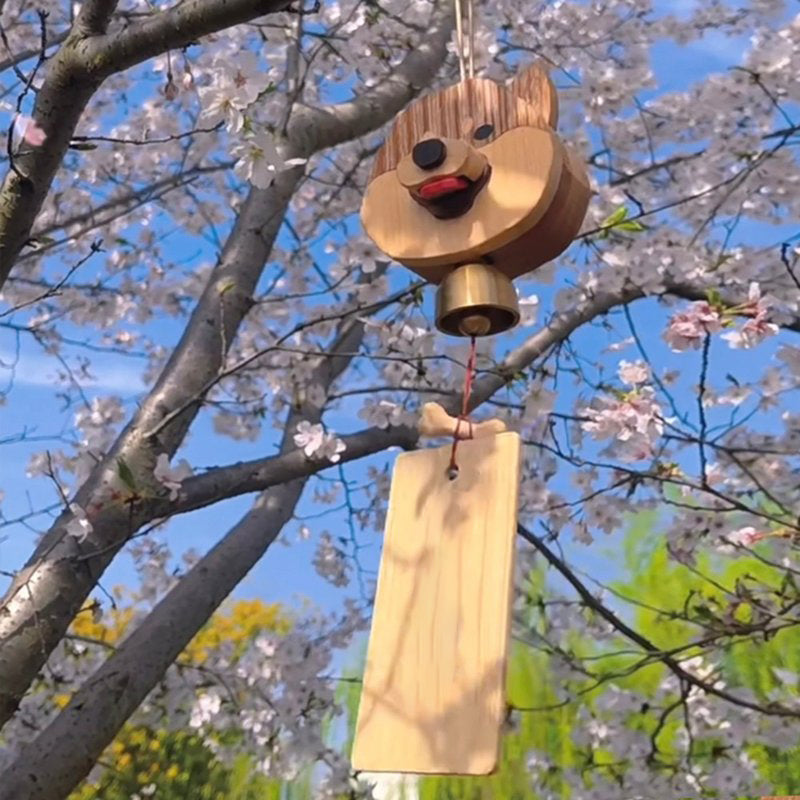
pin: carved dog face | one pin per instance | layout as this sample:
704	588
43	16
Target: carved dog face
465	171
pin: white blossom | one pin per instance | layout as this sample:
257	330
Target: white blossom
330	561
318	444
260	160
206	707
171	477
79	526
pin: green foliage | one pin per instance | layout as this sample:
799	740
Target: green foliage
721	593
618	221
669	600
547	731
125	474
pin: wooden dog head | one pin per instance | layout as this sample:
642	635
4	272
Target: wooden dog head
469	173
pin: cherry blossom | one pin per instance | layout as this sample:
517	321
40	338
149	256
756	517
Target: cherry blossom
206	706
755	330
688	329
742	537
632	419
331	562
79	526
31	133
384	413
238	80
171	477
317	443
259	159
175	283
633	373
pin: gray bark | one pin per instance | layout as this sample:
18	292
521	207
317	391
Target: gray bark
53	764
81	64
50	766
50	589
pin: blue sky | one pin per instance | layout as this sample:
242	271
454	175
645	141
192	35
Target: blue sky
286	573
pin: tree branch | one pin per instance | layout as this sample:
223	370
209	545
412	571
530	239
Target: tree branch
54	583
313	129
14	59
52	586
72	77
773	709
80	733
250	476
94	17
177	27
103	704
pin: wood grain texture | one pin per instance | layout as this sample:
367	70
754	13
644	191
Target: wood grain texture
556	229
457	111
528	194
526	164
533	84
433	694
434	421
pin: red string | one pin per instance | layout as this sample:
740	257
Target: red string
452	469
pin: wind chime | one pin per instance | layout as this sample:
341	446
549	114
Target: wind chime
471	189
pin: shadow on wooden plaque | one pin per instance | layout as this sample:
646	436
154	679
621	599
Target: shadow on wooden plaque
433	696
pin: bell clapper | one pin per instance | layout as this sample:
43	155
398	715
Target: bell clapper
475	325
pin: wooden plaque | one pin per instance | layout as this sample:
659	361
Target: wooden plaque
433	698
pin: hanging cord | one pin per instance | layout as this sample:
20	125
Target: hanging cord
466	48
452	468
471	38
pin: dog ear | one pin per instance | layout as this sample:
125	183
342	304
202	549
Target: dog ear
533	85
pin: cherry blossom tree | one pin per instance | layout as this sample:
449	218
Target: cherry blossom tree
180	187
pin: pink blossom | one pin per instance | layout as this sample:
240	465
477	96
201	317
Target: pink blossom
633	372
740	538
755	330
32	134
746	537
633	421
752	333
687	329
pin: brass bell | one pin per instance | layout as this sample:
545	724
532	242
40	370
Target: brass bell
476	300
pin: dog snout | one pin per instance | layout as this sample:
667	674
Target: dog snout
429	153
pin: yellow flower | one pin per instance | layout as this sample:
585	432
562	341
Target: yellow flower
245	619
138	737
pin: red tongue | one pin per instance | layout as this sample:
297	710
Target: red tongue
440	186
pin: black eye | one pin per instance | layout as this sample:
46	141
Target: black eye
483	131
